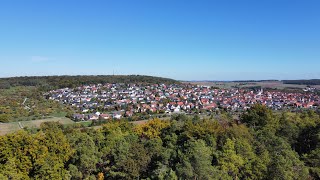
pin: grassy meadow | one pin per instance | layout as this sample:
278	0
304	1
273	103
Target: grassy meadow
6	128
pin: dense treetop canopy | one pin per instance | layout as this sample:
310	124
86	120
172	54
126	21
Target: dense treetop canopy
265	145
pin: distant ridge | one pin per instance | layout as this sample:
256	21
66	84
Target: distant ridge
303	82
50	82
269	80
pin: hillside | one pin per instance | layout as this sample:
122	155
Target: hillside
21	98
52	82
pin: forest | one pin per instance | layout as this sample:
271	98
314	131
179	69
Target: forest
54	82
262	145
303	82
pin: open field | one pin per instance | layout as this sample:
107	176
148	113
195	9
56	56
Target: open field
15	126
263	84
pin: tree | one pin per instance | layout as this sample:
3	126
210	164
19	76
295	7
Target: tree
308	139
86	154
284	162
14	155
229	161
4	118
100	176
312	160
151	129
130	159
10	170
59	152
257	116
289	129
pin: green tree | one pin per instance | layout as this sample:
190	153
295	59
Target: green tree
229	161
59	152
10	170
284	162
257	116
4	118
312	160
86	154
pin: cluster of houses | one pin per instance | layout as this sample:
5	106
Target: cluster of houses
107	101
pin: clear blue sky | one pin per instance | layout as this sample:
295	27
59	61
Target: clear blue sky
180	39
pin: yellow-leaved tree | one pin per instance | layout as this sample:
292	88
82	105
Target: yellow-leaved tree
151	129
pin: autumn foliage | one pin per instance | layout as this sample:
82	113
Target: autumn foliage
265	145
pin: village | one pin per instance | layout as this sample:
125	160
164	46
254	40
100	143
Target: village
116	101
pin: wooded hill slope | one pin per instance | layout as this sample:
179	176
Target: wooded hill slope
53	82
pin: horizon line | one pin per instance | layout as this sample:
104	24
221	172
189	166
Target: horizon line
204	80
